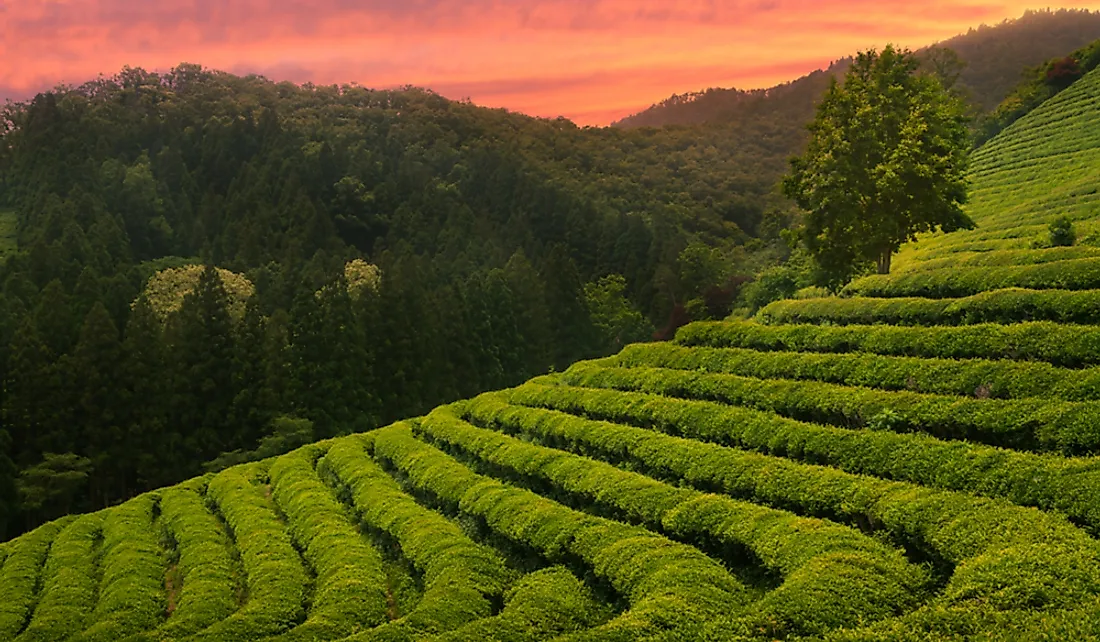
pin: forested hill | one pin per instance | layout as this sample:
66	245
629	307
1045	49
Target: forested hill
506	246
995	58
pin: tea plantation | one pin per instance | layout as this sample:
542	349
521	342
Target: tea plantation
913	460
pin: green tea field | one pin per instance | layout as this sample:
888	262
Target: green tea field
916	459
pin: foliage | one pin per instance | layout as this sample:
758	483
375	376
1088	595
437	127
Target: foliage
275	572
361	276
167	289
617	323
1069	346
51	485
876	580
350	587
997	378
1033	424
1009	305
886	160
770	285
131	593
956	526
450	245
649	572
286	434
1062	233
69	583
1071	274
460	576
21	573
203	561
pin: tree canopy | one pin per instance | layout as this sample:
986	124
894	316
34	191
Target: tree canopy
887	159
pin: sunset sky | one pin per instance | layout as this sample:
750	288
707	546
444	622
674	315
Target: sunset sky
590	60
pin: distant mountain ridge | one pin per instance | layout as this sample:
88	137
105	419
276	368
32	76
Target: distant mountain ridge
996	57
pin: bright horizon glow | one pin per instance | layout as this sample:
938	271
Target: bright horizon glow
591	61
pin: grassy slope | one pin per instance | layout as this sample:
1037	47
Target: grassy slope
745	482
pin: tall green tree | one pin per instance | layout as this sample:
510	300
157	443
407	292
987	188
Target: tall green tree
887	159
93	370
617	323
53	486
28	387
8	474
203	352
155	447
254	406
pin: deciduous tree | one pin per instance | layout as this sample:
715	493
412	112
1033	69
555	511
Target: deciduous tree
886	160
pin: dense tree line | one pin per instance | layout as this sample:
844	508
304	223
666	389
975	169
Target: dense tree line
507	246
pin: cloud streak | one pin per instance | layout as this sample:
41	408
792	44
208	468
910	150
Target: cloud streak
592	61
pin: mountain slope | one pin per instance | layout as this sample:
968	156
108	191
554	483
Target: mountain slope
748	481
995	57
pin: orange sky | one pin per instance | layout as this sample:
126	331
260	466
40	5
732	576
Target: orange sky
592	61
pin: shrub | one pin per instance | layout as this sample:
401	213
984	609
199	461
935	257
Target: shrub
770	285
1062	233
814	557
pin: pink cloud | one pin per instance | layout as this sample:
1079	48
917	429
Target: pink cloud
590	60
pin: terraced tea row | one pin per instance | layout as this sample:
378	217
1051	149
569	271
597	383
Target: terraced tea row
1039	169
1014	305
1074	274
690	491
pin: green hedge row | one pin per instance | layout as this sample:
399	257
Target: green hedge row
1061	345
969	624
985	378
668	585
19	578
206	589
864	579
131	589
462	579
998	258
1069	427
69	585
1011	305
542	605
1044	481
1004	556
277	582
1074	274
350	590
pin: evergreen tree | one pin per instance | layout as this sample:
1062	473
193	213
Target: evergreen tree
253	406
332	368
53	319
202	353
94	369
532	315
9	501
52	487
28	392
157	456
570	325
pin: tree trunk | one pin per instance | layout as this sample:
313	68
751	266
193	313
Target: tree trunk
883	261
